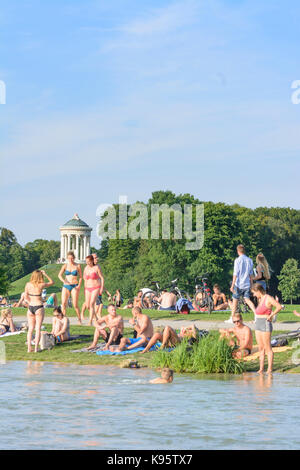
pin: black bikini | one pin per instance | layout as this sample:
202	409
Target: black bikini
5	326
33	308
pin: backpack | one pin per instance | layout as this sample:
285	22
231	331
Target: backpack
183	306
47	341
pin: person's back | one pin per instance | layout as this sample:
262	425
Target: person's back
243	270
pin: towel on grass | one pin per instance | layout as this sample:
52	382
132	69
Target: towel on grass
130	351
255	355
11	333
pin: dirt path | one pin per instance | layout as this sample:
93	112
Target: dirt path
201	324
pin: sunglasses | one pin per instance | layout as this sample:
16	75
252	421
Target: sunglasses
237	321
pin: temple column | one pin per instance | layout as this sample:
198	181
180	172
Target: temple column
84	247
77	247
61	247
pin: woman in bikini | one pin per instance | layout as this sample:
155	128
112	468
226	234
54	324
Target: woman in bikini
263	325
71	283
35	313
6	322
93	285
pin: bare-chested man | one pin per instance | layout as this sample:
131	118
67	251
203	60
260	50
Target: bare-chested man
242	334
115	325
143	327
167	300
220	301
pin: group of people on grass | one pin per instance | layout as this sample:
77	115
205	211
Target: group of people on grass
110	327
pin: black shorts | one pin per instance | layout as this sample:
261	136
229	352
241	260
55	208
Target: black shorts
116	342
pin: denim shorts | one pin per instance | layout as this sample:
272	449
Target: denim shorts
238	293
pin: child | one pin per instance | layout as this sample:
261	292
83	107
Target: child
166	377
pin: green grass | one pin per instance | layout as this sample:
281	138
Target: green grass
209	356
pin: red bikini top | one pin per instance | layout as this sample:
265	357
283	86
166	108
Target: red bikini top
91	276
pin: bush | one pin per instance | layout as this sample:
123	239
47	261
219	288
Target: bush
210	355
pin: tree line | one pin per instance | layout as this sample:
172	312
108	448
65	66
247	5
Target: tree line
129	264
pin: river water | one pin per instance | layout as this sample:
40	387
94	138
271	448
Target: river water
62	406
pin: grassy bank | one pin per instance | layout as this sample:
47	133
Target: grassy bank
285	316
209	356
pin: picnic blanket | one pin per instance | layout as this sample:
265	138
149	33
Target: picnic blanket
255	355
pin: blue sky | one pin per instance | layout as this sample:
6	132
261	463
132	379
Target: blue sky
127	97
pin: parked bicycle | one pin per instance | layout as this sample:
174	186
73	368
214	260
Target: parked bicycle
206	295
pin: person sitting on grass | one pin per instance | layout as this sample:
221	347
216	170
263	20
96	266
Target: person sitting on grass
3	301
129	305
167	300
138	300
51	301
240	337
220	301
60	326
115	325
144	331
170	338
167	376
6	322
296	313
22	302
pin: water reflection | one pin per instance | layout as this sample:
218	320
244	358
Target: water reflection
66	406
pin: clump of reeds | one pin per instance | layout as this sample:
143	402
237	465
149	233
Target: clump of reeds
209	355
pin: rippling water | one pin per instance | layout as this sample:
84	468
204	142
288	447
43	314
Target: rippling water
60	406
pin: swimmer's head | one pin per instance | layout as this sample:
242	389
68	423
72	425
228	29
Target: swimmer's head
167	374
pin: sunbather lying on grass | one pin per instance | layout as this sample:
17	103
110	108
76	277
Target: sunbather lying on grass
169	337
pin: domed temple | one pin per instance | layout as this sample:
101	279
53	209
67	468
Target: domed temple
76	237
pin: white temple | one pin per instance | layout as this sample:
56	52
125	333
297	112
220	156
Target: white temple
76	237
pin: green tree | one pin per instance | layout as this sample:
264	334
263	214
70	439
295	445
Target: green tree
4	282
289	278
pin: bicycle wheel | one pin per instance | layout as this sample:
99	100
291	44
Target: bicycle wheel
148	300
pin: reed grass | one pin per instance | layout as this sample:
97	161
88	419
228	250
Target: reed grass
210	355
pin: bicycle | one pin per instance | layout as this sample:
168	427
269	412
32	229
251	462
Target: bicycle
206	300
150	297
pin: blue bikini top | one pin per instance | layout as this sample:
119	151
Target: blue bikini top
71	273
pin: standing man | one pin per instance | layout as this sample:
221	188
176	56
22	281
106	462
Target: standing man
242	281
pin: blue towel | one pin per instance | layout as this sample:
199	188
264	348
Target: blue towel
130	351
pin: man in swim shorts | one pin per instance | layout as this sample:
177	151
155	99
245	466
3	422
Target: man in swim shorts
115	325
144	331
240	336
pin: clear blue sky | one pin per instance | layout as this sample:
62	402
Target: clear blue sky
125	97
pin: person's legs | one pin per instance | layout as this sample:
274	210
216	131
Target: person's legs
55	300
261	348
31	325
92	303
269	350
39	317
98	332
123	344
169	335
65	294
74	295
83	309
156	337
99	309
